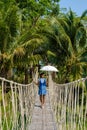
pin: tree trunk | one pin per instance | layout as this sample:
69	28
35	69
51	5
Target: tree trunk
26	76
3	73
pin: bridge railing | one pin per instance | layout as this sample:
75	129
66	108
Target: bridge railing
69	103
16	104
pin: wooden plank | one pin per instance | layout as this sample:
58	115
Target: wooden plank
42	118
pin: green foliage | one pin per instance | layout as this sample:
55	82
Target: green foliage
29	32
68	42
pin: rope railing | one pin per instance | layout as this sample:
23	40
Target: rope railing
69	103
16	104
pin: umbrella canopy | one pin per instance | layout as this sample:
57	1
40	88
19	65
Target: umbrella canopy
49	68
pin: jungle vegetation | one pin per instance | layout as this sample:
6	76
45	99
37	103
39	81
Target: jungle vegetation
38	30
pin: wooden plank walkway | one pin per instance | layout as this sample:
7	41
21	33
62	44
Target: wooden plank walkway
42	119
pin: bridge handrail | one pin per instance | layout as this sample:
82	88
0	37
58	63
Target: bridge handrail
17	103
69	103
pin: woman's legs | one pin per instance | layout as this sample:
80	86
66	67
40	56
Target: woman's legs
42	99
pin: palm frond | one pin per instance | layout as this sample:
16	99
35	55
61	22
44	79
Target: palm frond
84	14
20	51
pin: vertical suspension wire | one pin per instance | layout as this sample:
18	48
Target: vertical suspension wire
16	104
78	104
81	100
30	101
79	108
75	105
25	106
60	105
61	108
4	104
29	104
13	107
68	107
75	96
71	117
21	107
24	100
66	102
54	101
32	98
82	106
53	104
72	106
10	124
57	102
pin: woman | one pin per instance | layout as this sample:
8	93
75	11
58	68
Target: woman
42	83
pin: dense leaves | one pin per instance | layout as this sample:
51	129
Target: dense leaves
35	30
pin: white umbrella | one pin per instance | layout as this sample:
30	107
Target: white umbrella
49	68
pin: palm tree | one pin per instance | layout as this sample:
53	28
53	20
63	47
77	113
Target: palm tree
76	62
9	27
56	39
67	45
26	53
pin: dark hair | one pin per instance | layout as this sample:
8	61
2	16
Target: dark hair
41	74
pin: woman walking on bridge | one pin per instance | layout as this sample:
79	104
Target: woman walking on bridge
42	83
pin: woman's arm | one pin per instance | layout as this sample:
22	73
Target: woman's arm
35	82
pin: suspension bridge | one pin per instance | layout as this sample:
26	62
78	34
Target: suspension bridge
65	107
